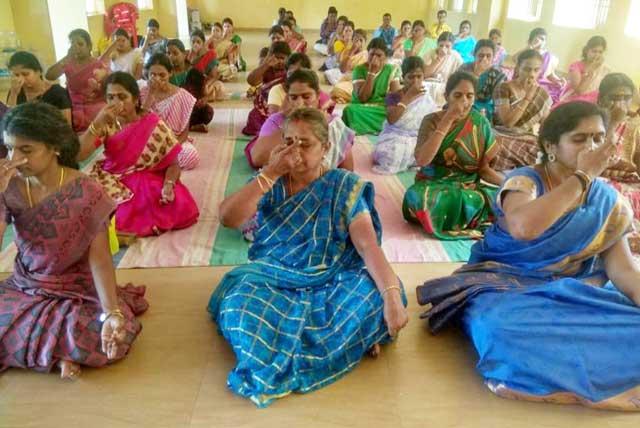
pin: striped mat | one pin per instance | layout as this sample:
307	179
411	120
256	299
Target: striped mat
222	171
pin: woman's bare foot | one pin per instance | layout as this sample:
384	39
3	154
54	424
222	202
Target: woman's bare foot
375	350
200	128
69	370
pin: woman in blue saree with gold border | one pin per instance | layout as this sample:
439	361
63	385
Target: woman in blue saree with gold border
550	296
318	292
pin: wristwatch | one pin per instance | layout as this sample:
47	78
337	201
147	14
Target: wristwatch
115	313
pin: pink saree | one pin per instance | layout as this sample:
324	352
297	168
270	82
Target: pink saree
49	306
86	99
136	159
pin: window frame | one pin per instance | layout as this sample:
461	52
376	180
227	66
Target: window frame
529	18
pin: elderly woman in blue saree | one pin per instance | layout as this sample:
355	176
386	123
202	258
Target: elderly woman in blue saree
550	297
318	292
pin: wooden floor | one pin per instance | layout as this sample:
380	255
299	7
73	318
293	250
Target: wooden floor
175	374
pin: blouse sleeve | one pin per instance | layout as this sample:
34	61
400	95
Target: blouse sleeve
57	96
517	183
359	73
407	45
393	99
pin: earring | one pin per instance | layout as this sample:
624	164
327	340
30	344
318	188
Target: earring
551	157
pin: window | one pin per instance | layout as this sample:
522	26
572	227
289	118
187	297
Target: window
473	6
95	7
633	29
456	5
524	10
145	4
587	14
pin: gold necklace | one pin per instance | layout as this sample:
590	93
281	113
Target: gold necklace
29	187
290	185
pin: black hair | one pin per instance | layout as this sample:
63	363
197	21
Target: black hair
217	24
263	53
411	63
387	14
44	123
288	23
484	43
280	48
405	22
528	54
299	58
360	32
228	21
84	34
350	24
342	18
447	36
418	22
276	29
537	32
121	32
457	77
159	59
378	43
565	118
594	42
178	44
442	12
127	81
153	23
303	76
612	81
198	33
495	31
282	10
333	10
26	60
466	21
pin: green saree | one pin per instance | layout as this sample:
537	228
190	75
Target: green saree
367	118
448	199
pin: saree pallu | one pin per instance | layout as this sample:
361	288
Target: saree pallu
465	48
487	84
518	145
176	112
545	322
136	160
49	306
591	93
368	117
86	99
448	199
394	151
422	48
553	89
260	111
304	311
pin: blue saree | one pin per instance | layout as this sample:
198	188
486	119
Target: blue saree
304	311
544	319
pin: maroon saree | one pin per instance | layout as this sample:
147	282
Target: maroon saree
49	307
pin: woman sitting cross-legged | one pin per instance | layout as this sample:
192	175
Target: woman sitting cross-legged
371	83
489	76
303	90
441	63
616	92
350	58
318	292
27	84
140	170
405	111
520	106
174	105
63	277
269	73
550	297
585	75
454	151
84	75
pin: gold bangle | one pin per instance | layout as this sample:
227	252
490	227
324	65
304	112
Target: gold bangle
403	105
268	179
92	130
389	288
262	189
441	132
